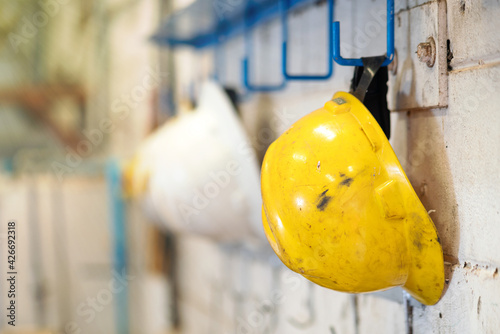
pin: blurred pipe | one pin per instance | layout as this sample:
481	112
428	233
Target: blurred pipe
409	312
38	51
168	87
171	266
35	255
119	243
355	309
100	101
61	250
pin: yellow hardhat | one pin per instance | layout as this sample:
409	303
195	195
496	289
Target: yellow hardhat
339	209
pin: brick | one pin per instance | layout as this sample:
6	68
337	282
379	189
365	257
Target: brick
469	306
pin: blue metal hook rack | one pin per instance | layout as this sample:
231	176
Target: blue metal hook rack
203	24
358	61
329	72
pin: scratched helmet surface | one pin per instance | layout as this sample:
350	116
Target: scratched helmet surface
339	209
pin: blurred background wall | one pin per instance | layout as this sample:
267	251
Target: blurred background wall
82	84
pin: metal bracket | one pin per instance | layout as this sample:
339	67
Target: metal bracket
389	56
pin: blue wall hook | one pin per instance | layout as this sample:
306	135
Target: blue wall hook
357	61
286	8
248	51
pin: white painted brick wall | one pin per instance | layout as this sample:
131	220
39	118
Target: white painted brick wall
70	221
451	155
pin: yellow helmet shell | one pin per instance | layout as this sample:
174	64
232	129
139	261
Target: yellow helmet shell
339	209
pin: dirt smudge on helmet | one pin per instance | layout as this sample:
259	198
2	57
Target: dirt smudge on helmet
323	200
347	182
